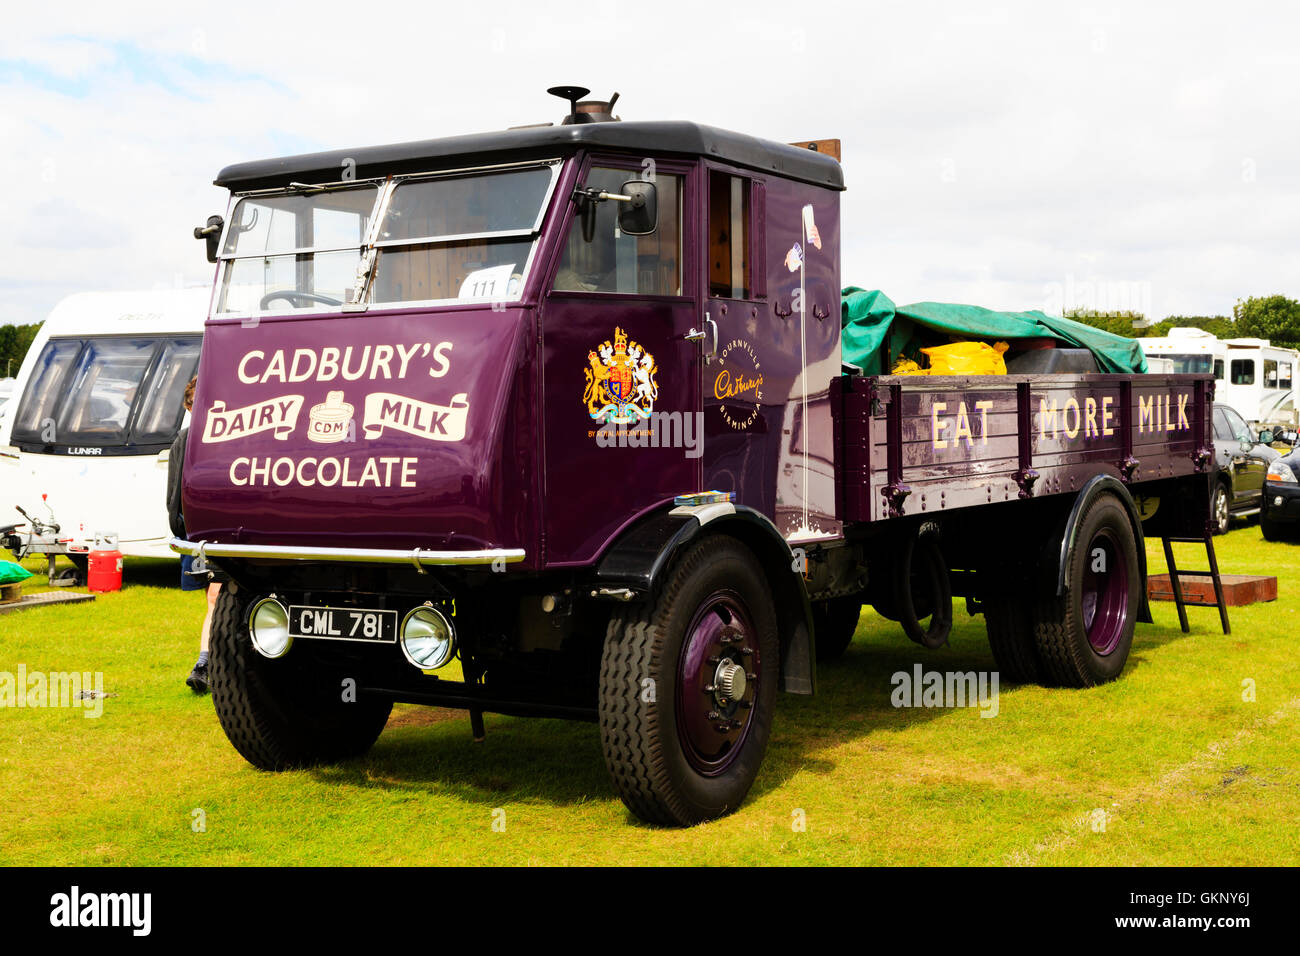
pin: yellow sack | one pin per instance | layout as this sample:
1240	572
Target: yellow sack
967	358
908	367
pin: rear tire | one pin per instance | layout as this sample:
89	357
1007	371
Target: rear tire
287	712
659	709
1083	636
1010	626
834	624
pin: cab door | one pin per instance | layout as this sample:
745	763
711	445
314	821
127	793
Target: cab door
620	367
772	249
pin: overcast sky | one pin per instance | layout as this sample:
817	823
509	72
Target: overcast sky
1037	155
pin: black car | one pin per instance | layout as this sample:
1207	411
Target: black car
1243	459
1280	514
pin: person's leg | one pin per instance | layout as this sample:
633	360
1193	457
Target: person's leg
198	679
206	634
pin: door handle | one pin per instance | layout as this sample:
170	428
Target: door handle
709	333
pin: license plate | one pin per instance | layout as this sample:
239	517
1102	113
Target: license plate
343	624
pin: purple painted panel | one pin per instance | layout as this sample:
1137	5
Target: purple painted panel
376	430
592	489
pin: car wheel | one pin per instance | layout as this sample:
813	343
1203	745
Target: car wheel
1220	516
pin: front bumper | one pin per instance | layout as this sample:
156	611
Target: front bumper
417	557
1281	503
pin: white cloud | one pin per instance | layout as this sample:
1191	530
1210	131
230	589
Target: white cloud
991	150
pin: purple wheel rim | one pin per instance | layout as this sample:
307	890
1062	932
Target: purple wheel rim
1104	594
711	727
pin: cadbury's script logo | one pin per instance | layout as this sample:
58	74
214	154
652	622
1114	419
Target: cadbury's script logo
738	386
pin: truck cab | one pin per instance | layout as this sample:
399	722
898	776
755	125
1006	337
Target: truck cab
489	386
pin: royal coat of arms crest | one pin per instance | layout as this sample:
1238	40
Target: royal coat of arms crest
621	386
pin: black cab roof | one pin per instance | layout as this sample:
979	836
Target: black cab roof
653	137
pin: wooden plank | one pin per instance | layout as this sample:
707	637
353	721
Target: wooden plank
1198	589
831	147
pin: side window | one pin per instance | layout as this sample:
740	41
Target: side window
628	265
729	219
1218	370
1283	374
1243	371
1240	430
1270	373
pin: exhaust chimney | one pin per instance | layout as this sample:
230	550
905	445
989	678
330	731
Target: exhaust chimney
585	111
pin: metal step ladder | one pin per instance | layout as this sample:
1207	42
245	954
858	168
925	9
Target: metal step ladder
1213	574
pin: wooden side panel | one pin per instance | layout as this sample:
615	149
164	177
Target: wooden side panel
915	444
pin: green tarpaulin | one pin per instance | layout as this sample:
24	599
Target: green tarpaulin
867	318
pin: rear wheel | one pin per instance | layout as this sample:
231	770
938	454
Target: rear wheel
1010	626
1083	636
834	624
688	686
287	712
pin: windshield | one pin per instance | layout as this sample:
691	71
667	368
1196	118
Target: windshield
455	236
107	391
295	251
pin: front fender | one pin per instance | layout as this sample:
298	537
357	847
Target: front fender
639	559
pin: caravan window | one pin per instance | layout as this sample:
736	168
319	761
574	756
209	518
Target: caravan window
45	387
162	405
1270	373
1190	364
1243	371
102	390
1218	370
1283	374
119	393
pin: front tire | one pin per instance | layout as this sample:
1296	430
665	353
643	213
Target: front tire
681	751
1083	636
1272	530
288	712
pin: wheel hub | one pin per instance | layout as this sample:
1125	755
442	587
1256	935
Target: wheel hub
728	682
717	683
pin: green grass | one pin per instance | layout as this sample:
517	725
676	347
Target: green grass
1187	772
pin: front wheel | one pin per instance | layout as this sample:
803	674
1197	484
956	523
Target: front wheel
1083	636
688	686
287	712
1272	530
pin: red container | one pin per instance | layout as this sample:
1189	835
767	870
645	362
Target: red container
104	567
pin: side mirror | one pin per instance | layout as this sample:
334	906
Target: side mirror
211	234
639	216
1266	437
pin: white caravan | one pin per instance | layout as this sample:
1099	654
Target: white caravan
1256	379
96	405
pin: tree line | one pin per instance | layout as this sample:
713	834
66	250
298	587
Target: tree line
1272	317
15	340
